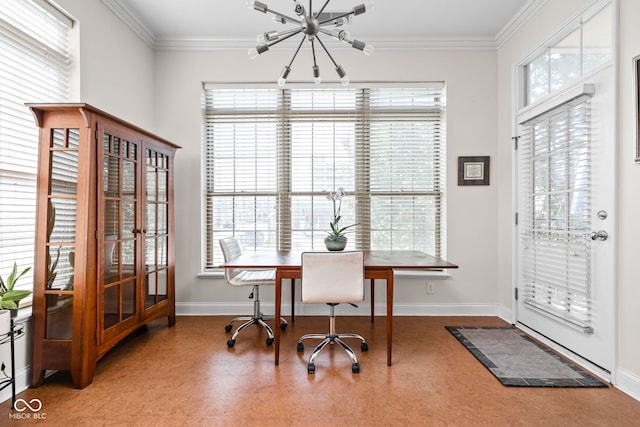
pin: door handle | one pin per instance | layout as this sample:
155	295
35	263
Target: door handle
599	235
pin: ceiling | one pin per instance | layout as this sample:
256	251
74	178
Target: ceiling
417	23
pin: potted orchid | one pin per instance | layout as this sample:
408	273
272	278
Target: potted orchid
336	240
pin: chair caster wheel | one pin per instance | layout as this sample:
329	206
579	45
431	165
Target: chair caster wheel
311	368
231	343
355	368
364	346
283	326
300	347
227	328
269	341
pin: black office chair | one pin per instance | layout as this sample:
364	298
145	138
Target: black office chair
248	277
332	278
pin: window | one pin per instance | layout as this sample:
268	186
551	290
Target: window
34	67
272	156
556	210
578	53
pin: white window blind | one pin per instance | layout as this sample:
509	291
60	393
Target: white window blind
34	67
555	181
272	156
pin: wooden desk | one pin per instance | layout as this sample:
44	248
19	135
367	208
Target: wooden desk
377	265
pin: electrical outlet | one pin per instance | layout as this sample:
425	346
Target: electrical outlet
429	287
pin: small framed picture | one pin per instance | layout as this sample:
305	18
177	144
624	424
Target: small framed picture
473	170
636	113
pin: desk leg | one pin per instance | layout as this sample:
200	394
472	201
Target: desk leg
389	314
372	284
276	332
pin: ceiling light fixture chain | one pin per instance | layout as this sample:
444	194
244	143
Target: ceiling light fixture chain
310	24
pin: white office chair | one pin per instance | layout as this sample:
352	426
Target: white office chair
248	277
332	278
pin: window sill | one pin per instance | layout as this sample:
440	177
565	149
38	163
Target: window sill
421	274
24	314
219	274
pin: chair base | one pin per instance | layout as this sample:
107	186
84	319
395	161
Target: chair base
248	321
257	319
331	338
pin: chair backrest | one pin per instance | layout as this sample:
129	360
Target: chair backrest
332	277
230	250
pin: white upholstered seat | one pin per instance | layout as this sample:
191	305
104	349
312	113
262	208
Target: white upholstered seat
332	278
248	277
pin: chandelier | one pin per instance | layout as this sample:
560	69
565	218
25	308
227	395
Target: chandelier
310	24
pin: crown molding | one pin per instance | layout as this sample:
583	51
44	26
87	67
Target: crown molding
518	20
220	43
127	16
211	43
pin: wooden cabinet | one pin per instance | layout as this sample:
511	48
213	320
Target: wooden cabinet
104	261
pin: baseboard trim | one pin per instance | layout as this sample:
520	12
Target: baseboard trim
628	383
363	309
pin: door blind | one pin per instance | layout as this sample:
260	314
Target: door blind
34	67
272	157
555	173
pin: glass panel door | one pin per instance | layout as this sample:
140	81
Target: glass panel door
118	260
156	226
61	232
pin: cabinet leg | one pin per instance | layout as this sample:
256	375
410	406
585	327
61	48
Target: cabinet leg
37	378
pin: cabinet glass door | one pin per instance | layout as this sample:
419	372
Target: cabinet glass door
61	231
121	231
156	225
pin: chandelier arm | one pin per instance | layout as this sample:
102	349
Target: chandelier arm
293	33
329	33
296	52
327	52
313	52
284	17
287	32
322	8
344	15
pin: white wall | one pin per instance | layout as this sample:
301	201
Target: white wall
471	130
116	67
629	247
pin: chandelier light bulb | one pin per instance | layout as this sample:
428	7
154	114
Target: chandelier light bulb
269	36
283	75
362	8
316	75
344	80
298	8
368	49
255	51
344	36
256	5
